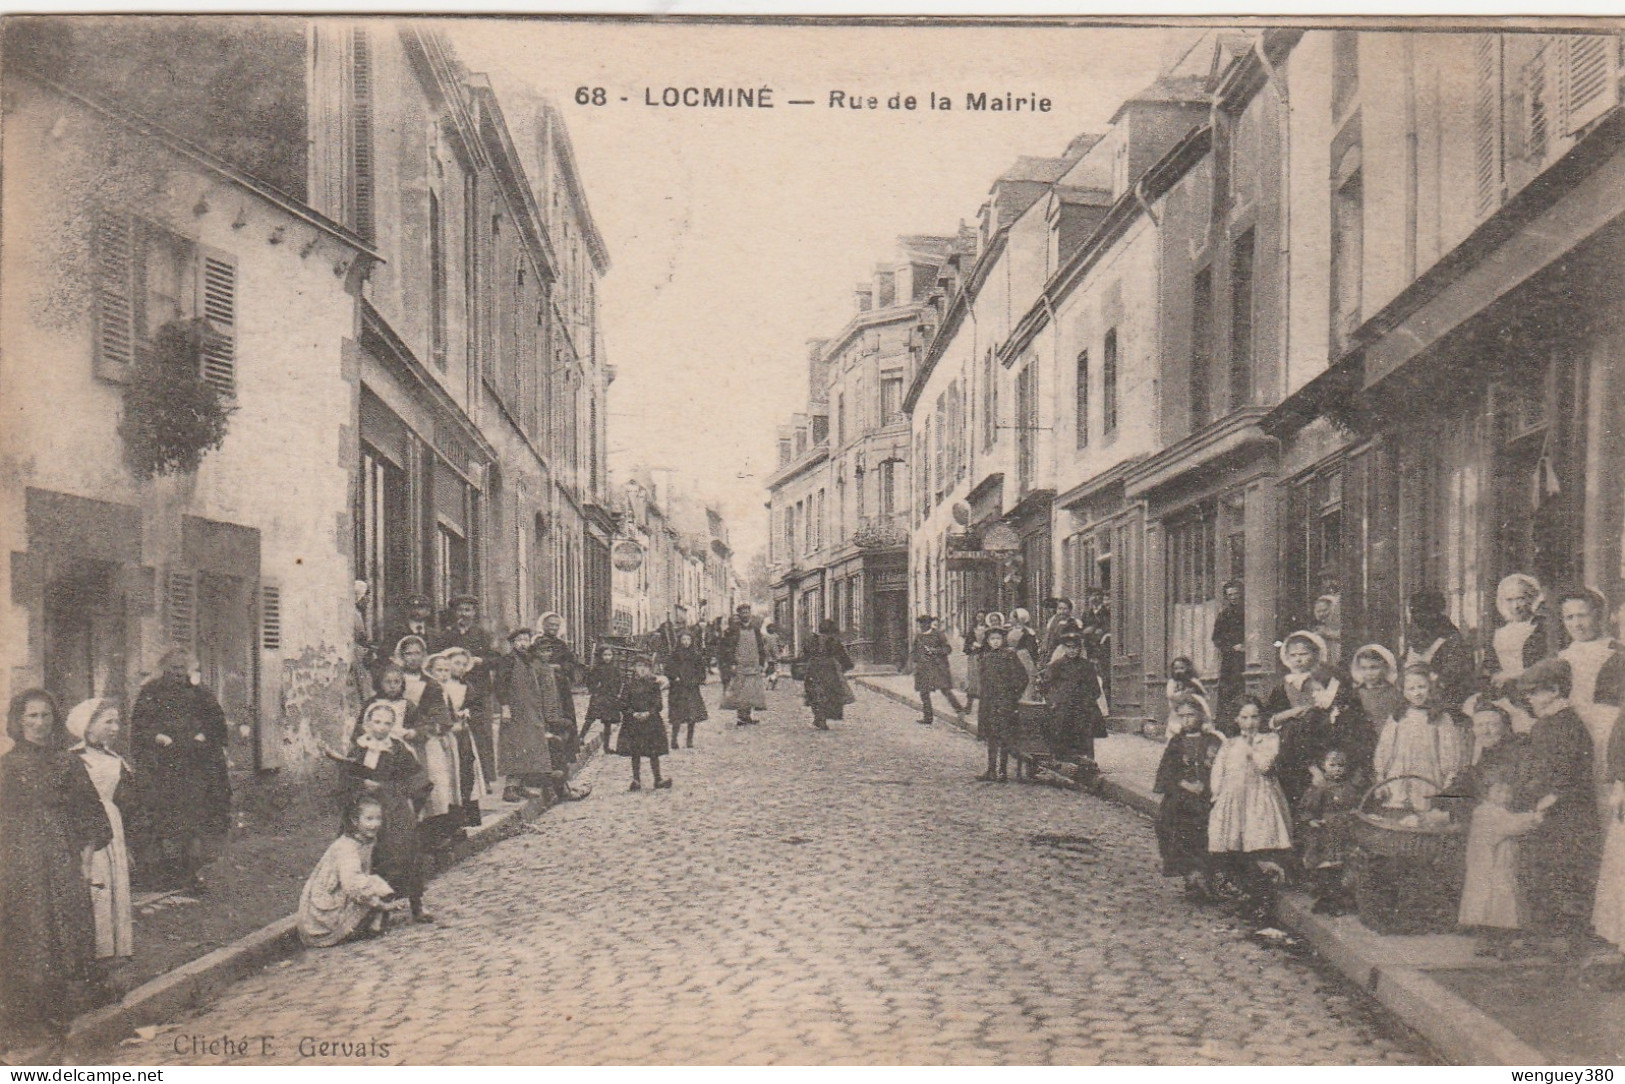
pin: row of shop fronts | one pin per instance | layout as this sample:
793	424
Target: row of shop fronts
1283	356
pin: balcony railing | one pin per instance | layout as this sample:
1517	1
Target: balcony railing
879	532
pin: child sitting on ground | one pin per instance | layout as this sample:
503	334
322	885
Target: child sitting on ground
1491	900
343	898
1324	817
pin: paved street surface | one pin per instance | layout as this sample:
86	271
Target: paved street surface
807	897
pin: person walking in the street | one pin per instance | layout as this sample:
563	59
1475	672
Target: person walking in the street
770	639
825	661
1558	864
1183	778
343	897
51	821
929	655
178	746
94	724
1072	688
643	733
1230	641
522	746
685	671
1004	679
385	769
550	649
604	685
742	662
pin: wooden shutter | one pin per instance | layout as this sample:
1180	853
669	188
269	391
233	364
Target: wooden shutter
115	295
217	301
1537	107
362	175
271	618
180	608
1487	122
1589	77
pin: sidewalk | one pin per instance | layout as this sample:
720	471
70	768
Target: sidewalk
1472	1010
187	948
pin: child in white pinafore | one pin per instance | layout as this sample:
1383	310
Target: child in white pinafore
1423	740
1491	900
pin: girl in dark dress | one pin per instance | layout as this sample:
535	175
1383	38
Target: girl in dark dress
604	683
685	669
643	732
51	822
826	660
1557	863
1004	679
1183	778
384	768
1073	689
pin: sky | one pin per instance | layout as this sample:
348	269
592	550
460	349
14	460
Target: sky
736	235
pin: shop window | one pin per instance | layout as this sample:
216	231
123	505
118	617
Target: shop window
1192	585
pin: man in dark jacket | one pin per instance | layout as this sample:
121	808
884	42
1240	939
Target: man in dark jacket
465	631
416	619
1230	640
929	655
178	745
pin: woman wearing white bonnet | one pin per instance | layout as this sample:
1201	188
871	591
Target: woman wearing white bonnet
94	724
1520	642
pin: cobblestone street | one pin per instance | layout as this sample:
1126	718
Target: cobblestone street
806	897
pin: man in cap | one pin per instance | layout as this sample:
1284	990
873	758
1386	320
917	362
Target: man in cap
416	620
929	656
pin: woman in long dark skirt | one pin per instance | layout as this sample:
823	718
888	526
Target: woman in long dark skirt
643	732
1183	777
685	669
825	660
51	821
384	768
1073	688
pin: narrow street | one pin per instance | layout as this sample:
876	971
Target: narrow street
803	897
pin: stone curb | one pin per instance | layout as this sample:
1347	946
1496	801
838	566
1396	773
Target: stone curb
1458	1030
193	983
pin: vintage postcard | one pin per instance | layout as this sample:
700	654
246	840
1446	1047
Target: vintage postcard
812	541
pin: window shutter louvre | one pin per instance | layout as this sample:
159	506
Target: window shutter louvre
115	302
1487	122
362	176
217	282
1538	99
180	608
1589	76
271	618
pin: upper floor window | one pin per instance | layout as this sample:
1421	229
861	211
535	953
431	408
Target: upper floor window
891	398
1348	241
1201	374
148	277
1083	399
990	401
840	419
363	180
1241	321
437	283
1108	384
1345	72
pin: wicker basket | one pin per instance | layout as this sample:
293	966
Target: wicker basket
1408	879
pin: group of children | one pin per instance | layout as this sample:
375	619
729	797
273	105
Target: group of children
413	777
1271	791
1066	708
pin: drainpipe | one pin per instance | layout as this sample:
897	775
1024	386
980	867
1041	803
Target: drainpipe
1278	81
